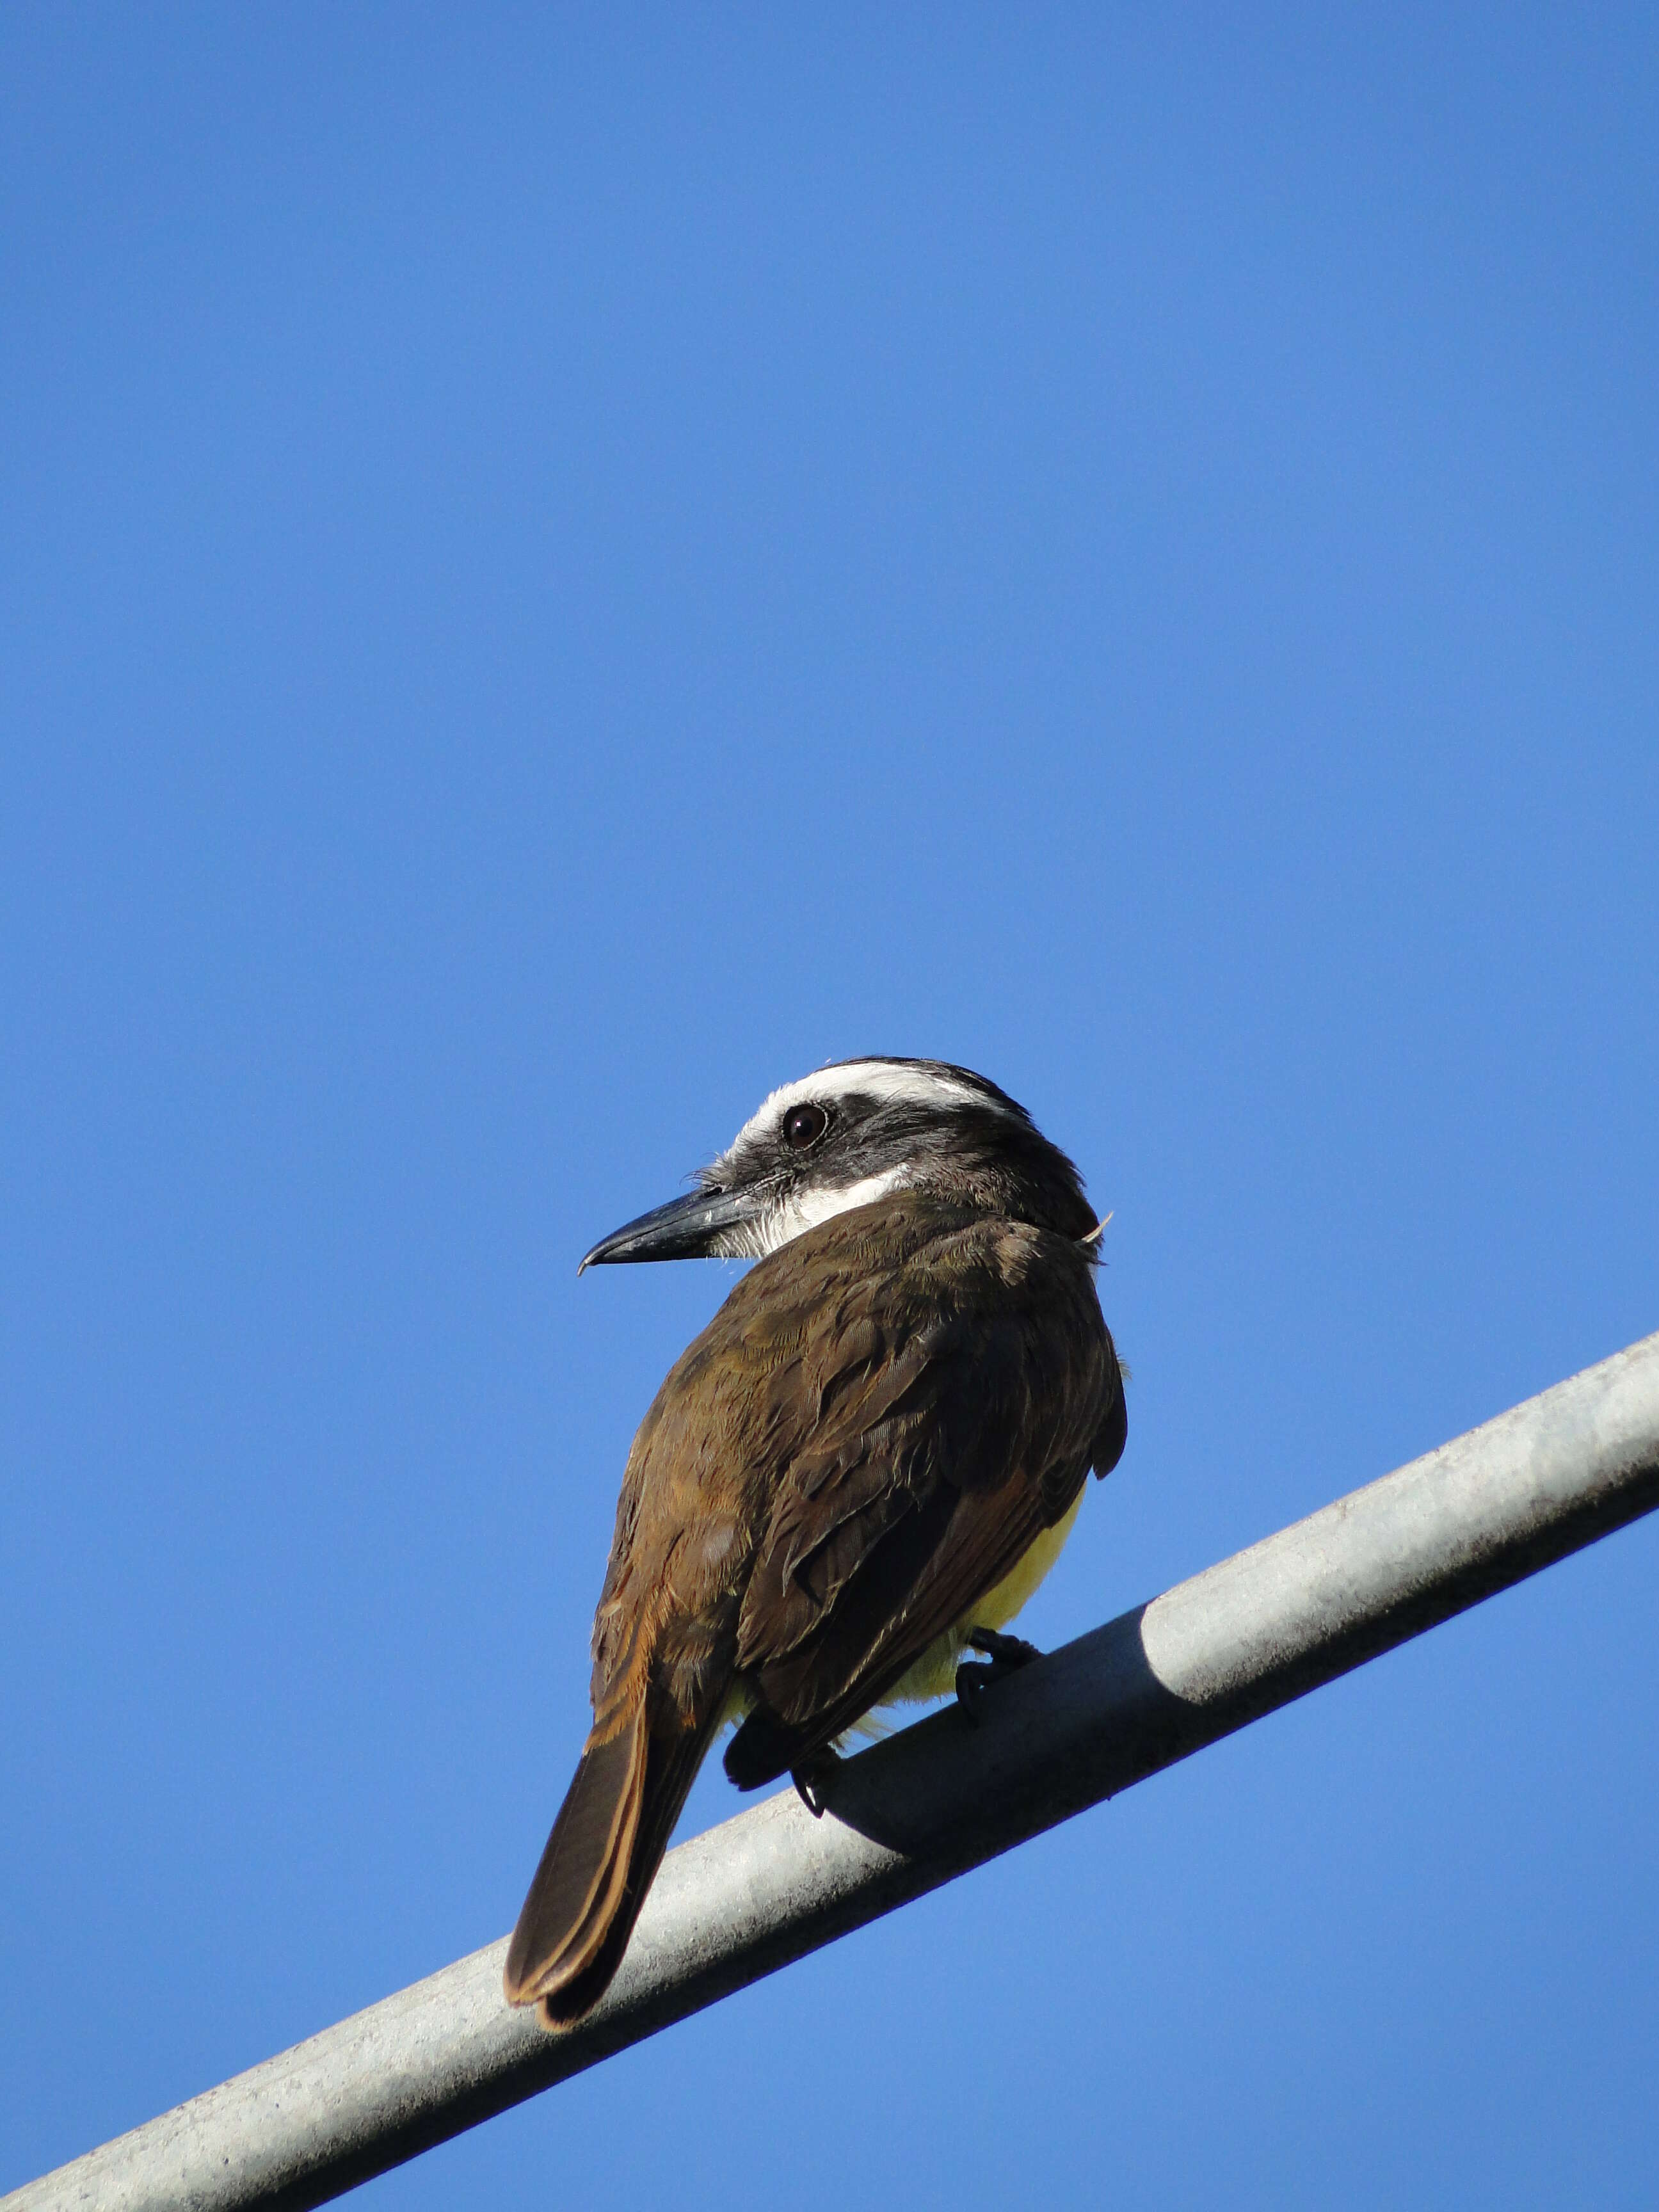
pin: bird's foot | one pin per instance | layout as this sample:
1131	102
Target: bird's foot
1004	1656
812	1778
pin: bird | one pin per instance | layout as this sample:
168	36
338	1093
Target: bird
858	1471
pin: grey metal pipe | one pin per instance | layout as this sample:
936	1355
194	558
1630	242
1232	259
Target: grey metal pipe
1206	1658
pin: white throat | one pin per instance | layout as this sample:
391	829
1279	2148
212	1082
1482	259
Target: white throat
792	1216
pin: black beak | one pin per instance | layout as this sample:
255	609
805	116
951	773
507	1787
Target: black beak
684	1229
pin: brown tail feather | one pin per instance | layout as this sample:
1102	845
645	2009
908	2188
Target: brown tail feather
605	1847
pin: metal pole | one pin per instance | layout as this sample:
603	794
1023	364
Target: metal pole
1206	1658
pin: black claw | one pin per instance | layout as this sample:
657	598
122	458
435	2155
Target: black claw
1005	1652
812	1780
973	1680
1004	1656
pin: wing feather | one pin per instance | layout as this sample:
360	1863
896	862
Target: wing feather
927	1476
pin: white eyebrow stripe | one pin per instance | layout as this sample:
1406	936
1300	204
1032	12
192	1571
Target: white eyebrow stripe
870	1079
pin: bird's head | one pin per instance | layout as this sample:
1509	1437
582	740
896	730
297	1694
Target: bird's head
848	1136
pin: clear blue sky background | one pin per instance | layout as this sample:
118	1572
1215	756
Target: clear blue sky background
558	570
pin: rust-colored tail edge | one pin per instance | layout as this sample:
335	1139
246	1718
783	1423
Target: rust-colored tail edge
599	1864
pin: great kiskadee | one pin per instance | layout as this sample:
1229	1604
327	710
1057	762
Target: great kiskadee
867	1462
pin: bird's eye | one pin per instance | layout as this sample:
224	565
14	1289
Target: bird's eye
803	1126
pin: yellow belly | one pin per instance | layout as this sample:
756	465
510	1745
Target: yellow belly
935	1673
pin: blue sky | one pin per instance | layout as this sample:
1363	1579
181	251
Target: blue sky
559	570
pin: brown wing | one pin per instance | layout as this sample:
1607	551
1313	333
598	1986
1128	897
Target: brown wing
961	1386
